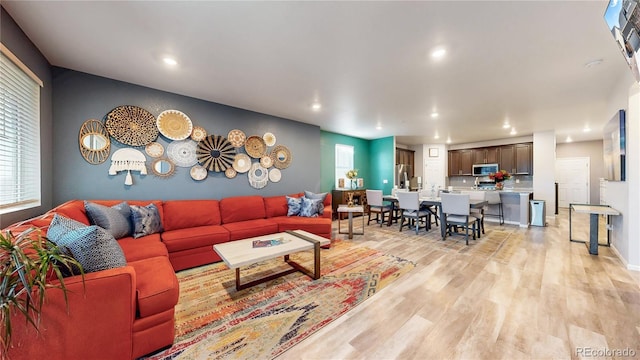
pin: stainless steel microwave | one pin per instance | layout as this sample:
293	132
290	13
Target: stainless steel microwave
484	169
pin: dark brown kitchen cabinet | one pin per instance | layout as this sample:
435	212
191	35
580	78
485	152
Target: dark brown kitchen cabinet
454	163
466	162
485	155
406	157
524	159
507	158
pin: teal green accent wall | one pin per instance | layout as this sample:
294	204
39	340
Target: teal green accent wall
374	160
382	163
328	141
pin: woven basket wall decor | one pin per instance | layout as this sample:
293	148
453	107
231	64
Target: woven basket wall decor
131	125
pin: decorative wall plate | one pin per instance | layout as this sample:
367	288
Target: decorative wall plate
198	133
266	161
236	137
198	172
154	149
255	147
269	139
183	152
281	157
275	175
258	176
242	163
216	153
174	124
131	125
230	173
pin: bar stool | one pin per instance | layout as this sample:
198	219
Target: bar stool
493	198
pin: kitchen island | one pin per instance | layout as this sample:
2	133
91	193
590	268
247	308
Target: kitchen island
515	205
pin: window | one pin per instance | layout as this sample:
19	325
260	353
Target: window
344	162
19	135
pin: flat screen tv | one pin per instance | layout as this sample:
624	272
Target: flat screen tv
623	19
614	148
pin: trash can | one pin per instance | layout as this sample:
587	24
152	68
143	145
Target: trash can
538	212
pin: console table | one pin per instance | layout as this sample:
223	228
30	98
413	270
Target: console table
340	197
594	212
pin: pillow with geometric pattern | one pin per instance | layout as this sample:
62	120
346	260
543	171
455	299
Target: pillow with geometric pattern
294	204
93	247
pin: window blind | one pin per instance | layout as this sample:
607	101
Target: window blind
19	138
344	161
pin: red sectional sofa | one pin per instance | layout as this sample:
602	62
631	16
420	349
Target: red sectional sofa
127	312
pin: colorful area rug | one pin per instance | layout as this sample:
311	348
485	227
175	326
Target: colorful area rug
214	321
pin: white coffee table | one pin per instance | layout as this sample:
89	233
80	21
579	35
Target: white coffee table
242	253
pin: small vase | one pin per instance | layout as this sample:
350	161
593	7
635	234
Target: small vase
353	184
499	186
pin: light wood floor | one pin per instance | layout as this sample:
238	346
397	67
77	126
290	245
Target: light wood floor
513	294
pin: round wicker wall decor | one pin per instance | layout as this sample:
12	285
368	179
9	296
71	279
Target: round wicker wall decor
131	125
216	153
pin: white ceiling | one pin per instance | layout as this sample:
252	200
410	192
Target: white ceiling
367	63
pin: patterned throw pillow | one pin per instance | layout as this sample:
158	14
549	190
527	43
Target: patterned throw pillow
294	205
146	220
309	207
115	219
321	196
93	247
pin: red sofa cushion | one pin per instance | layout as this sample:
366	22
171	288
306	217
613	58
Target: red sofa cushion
183	239
242	208
277	205
318	225
142	247
156	285
183	214
251	228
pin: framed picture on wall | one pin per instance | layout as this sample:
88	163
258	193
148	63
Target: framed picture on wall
360	182
433	152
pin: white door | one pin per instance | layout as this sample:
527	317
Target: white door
572	175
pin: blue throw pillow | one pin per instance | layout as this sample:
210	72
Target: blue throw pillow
93	247
309	207
146	220
294	205
115	219
321	196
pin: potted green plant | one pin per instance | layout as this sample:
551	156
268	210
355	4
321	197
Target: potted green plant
29	264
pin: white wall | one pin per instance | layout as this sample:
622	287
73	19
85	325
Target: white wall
624	196
544	169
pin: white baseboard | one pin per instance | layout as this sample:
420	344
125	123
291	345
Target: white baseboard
624	261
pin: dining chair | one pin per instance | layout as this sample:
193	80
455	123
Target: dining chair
455	208
493	198
377	206
409	204
479	212
433	209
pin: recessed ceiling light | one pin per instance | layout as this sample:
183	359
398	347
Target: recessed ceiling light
513	131
169	61
506	125
586	129
435	114
569	139
448	140
379	127
436	136
438	53
316	106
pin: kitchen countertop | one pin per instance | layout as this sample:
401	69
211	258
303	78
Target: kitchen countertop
512	191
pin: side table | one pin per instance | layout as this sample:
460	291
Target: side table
350	210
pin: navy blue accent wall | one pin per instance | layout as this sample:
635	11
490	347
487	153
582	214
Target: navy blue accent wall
78	97
19	44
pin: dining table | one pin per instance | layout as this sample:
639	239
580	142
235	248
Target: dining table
433	201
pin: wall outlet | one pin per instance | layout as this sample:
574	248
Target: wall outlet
517	181
385	181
